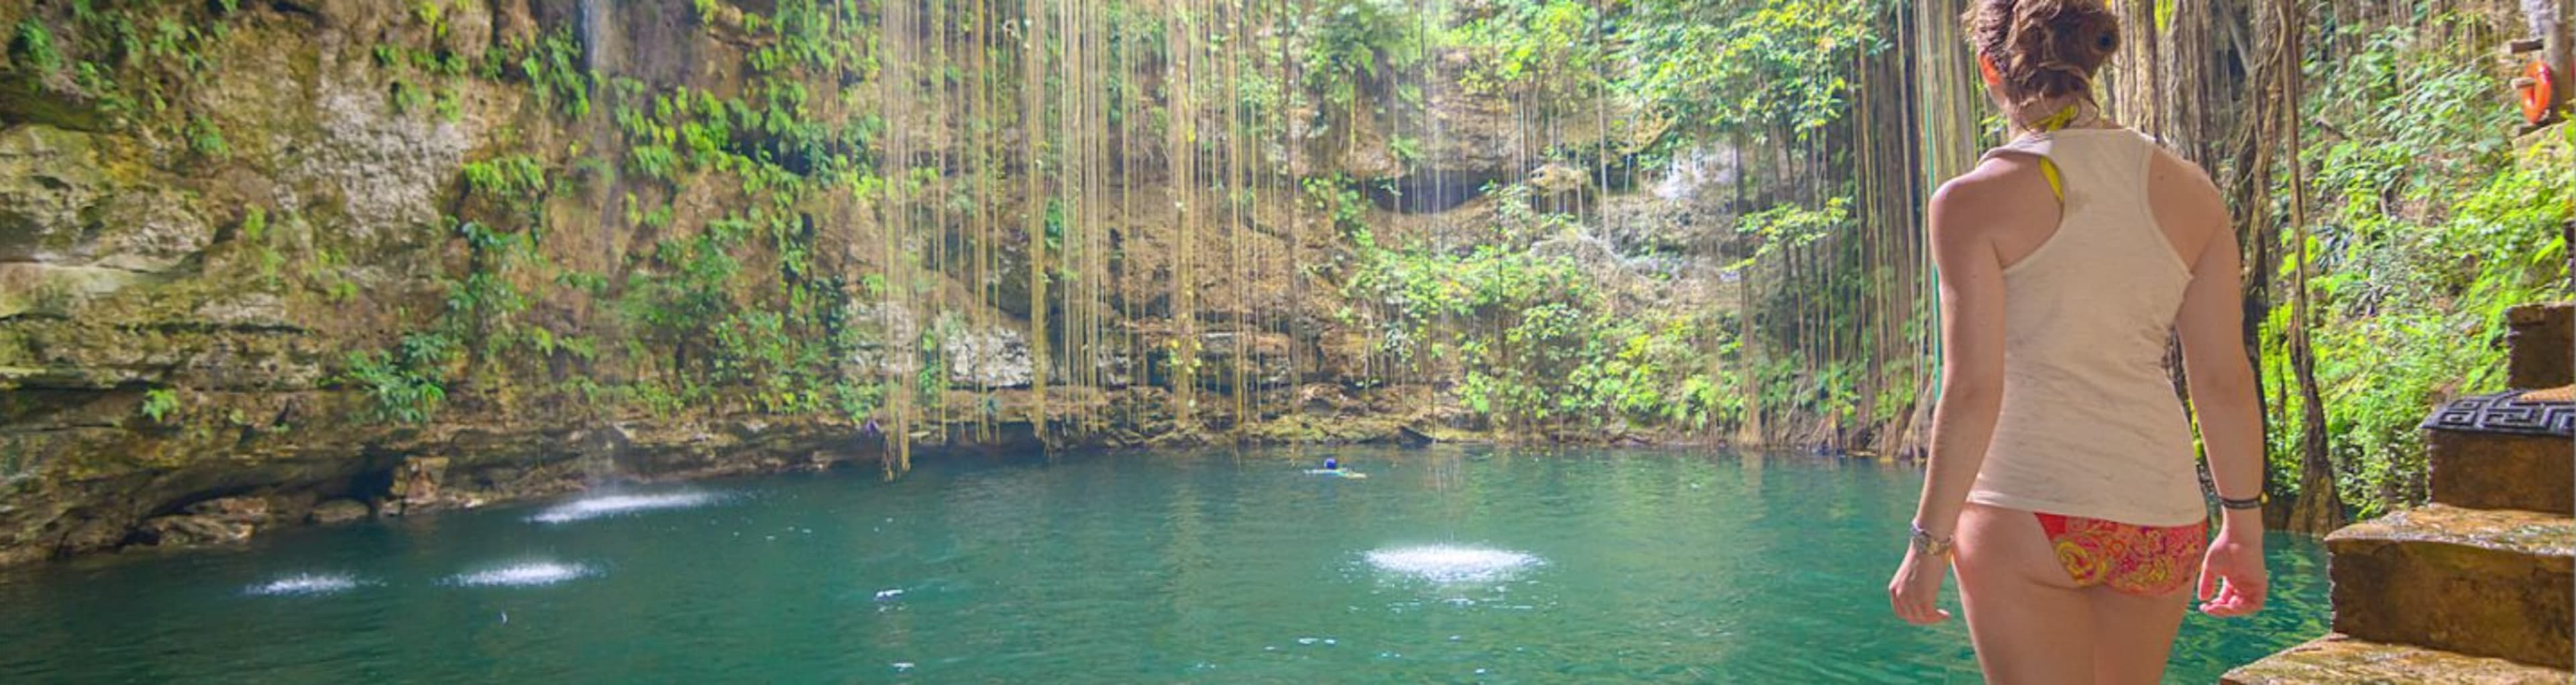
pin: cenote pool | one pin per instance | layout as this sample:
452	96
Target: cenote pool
1445	565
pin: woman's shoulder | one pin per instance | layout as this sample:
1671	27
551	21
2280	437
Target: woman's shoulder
2169	167
1996	172
1998	184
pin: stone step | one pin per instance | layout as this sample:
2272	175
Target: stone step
2340	659
2540	340
2482	470
2480	582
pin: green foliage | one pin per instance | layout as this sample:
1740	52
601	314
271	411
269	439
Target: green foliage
1549	50
1717	68
1520	220
446	106
1336	198
514	178
160	404
485	294
1351	45
553	69
2428	231
205	138
408	382
1407	149
432	13
254	225
1788	226
1538	343
408	98
131	60
34	44
655	162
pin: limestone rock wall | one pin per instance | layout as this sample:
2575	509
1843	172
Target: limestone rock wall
208	219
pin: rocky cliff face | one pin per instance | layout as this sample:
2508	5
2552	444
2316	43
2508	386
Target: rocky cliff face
270	262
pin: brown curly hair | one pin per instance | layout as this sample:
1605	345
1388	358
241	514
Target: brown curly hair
2044	49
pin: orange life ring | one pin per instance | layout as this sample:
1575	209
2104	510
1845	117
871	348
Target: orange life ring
2536	92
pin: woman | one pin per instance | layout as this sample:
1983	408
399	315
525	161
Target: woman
2061	460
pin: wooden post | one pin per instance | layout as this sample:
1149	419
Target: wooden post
2561	52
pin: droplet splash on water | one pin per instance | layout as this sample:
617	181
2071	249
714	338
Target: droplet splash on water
305	584
1450	564
611	505
523	575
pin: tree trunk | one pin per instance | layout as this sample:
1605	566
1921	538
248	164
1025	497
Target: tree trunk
2320	508
1750	351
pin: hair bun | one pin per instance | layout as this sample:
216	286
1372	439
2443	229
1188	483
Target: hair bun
2044	49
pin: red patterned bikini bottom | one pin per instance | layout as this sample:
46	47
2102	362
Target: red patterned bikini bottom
2131	558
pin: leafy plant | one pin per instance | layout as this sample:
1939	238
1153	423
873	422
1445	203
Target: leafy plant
160	404
36	45
1721	68
1353	44
205	138
407	382
1548	50
1406	149
552	67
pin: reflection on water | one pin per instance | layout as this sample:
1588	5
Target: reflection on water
524	574
610	505
1446	565
305	584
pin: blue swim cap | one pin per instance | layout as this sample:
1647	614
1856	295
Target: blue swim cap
1330	463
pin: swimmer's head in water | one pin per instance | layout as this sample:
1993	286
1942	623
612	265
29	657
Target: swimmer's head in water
1330	463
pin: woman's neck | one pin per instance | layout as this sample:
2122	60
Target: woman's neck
2055	114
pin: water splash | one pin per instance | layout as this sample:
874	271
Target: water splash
523	575
305	584
1451	564
611	505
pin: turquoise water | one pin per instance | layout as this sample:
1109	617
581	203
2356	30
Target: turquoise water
1444	565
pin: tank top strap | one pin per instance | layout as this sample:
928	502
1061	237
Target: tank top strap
2037	145
2042	146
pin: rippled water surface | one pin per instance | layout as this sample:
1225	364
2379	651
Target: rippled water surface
1444	565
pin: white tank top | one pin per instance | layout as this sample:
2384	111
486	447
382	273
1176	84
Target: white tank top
2091	425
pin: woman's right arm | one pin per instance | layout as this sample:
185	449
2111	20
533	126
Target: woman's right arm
2211	326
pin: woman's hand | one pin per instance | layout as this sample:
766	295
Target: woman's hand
1915	591
2231	576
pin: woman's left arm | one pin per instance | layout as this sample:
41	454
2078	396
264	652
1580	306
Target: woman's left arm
1972	361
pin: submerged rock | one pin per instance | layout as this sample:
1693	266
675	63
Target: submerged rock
245	510
231	519
1406	436
340	511
417	483
176	531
